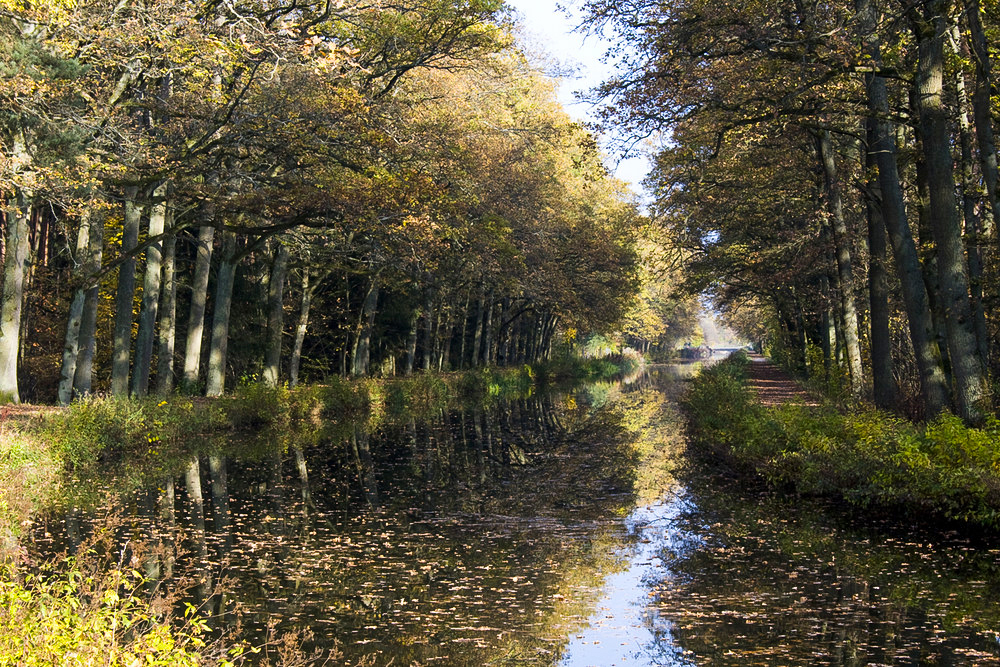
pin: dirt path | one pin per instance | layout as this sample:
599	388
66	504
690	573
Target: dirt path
22	413
774	386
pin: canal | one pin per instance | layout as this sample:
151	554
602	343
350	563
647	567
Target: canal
563	528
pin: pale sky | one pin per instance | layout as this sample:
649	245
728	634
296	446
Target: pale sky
552	31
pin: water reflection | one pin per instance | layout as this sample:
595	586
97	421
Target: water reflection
765	579
624	629
476	536
542	531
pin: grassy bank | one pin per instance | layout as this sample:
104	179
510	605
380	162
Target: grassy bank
866	457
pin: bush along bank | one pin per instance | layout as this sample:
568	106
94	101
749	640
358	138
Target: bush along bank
867	457
159	433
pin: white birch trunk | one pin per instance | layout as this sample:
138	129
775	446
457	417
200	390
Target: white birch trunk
300	330
168	315
124	296
215	383
83	378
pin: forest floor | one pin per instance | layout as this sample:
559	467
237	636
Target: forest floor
774	386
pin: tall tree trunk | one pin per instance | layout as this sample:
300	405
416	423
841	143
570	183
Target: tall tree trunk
982	109
464	331
199	303
215	382
411	342
827	332
124	296
438	337
150	295
441	337
477	340
513	355
550	332
933	382
930	28
168	316
838	335
276	315
449	341
71	348
362	350
536	334
15	265
801	339
844	268
84	375
503	335
928	252
971	195
300	329
884	389
488	334
428	328
533	338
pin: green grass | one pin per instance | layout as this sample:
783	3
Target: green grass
867	457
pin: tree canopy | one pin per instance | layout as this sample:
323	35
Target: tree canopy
402	167
831	168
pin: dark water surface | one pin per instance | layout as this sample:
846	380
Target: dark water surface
562	529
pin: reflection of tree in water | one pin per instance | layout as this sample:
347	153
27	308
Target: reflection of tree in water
484	535
768	580
477	533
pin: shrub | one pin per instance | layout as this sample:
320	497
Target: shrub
257	404
94	427
78	617
98	427
306	402
418	392
341	397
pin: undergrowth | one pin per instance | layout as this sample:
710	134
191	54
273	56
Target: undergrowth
70	617
864	456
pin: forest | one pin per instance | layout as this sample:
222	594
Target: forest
831	171
201	193
332	323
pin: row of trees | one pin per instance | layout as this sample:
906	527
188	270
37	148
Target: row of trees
176	176
832	169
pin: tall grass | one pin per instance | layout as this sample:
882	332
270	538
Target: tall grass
867	457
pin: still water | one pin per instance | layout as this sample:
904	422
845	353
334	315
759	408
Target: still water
559	529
